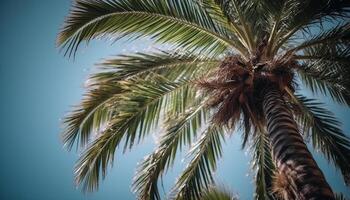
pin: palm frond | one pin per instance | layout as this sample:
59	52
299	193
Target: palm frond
171	65
90	115
215	193
311	13
337	36
324	70
214	8
179	131
136	112
240	14
264	167
104	87
174	67
280	13
335	53
328	78
182	23
217	8
340	196
325	132
198	174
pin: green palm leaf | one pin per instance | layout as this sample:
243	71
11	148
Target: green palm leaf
340	196
340	55
326	134
264	166
179	131
182	23
213	7
97	106
171	65
136	112
328	78
310	14
326	63
198	174
280	13
215	193
90	115
337	36
242	16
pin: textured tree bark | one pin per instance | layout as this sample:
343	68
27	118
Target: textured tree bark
302	178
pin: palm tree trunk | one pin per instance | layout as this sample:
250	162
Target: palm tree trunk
302	178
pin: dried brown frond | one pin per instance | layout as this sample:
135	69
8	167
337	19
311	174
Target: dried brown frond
236	86
280	186
259	52
230	88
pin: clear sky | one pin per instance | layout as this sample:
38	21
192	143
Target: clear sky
39	86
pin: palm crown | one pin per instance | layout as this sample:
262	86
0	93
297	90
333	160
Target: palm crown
226	54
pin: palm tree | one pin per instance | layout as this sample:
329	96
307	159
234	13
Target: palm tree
233	64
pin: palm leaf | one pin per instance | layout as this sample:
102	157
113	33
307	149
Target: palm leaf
326	65
311	13
264	166
325	132
182	23
337	36
95	109
179	132
280	12
90	115
137	111
340	196
215	193
171	65
198	174
214	8
333	52
241	17
328	78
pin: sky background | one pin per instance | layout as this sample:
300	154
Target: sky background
39	86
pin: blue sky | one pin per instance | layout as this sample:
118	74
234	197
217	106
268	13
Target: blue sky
39	86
